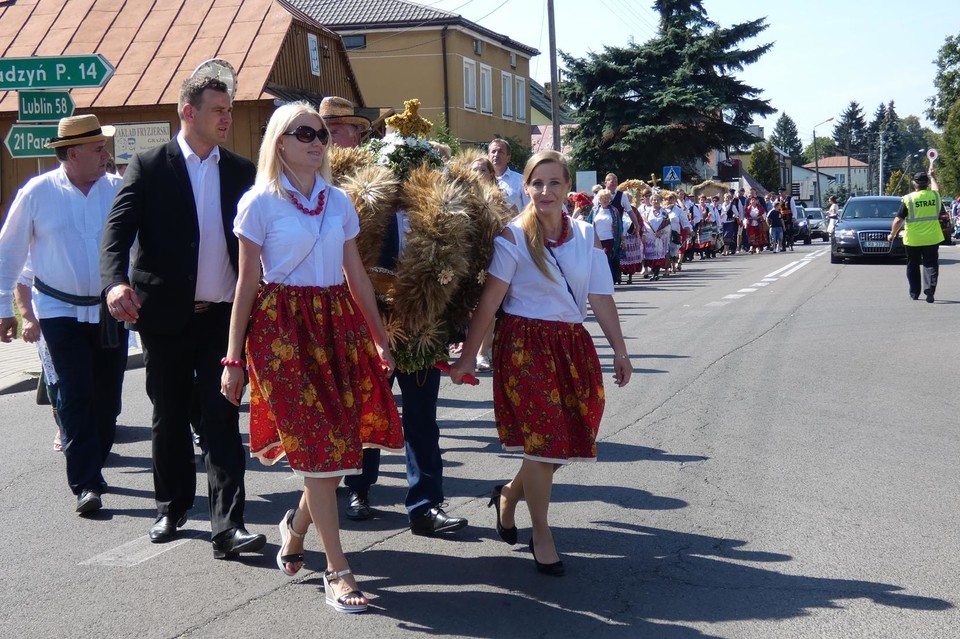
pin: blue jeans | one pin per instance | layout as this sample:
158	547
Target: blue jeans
89	386
419	393
776	234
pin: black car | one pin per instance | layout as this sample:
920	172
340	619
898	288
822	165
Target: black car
863	228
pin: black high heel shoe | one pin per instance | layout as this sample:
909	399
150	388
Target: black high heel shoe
555	569
509	535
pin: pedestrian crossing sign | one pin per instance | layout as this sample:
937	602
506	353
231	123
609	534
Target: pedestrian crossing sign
671	175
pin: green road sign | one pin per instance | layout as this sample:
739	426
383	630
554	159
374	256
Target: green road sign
44	106
27	140
54	72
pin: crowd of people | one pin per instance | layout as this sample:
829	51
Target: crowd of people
651	232
234	273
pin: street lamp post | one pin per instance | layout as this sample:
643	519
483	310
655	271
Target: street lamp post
816	162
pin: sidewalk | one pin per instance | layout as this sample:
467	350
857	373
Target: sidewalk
20	365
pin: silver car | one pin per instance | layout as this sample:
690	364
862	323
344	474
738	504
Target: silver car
816	224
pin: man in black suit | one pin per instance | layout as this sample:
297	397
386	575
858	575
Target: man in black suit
179	201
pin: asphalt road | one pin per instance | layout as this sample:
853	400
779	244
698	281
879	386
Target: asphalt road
783	464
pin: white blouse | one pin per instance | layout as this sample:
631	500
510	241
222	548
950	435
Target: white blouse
532	295
298	249
603	222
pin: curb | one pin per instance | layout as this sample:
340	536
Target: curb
29	380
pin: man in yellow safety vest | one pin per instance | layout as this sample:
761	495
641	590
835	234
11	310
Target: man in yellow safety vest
920	212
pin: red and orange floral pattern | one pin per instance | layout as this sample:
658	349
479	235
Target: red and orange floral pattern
317	392
547	389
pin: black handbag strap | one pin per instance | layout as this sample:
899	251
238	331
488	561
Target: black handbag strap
557	262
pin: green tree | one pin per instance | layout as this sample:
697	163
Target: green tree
785	137
764	166
850	133
668	101
441	133
826	147
877	134
946	81
948	164
898	184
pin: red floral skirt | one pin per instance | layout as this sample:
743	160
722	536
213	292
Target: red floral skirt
547	389
317	392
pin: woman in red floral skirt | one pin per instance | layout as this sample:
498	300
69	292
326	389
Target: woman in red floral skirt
316	348
548	387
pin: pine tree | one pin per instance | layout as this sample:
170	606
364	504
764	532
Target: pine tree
764	166
877	135
668	101
786	138
850	133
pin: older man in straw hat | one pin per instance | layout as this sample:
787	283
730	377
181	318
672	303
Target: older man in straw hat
57	219
345	126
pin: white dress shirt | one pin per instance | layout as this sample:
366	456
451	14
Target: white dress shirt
511	185
59	228
216	279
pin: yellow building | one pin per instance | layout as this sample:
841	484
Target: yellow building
478	80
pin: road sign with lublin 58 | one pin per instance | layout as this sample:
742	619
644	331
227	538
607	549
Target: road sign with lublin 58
671	175
54	72
44	106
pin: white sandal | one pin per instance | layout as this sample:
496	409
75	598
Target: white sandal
286	532
340	603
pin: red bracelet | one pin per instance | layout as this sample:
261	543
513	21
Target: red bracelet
234	363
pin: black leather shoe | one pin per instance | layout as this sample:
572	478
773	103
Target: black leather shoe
165	529
231	543
929	294
358	506
555	569
89	502
436	521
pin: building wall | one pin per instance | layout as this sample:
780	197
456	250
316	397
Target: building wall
293	70
400	65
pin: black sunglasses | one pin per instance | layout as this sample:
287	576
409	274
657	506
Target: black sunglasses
308	134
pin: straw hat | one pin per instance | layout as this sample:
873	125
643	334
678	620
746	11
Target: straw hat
79	129
334	109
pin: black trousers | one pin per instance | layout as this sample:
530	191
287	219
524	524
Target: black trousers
929	257
90	382
179	366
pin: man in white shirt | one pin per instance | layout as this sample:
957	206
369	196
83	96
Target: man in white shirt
179	201
509	181
57	220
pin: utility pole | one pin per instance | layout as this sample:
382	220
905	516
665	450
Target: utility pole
880	179
816	162
554	77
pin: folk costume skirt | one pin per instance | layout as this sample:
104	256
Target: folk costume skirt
547	389
317	392
631	260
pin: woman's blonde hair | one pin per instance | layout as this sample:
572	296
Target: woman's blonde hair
532	231
270	164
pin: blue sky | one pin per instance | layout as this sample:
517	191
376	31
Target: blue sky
825	54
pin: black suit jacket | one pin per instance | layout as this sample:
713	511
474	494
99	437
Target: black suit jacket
155	206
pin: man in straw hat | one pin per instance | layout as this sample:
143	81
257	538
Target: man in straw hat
57	220
345	125
179	201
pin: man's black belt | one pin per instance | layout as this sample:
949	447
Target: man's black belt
76	300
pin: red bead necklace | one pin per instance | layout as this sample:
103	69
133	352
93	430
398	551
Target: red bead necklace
305	210
564	232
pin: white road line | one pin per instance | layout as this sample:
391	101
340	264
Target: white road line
716	304
795	269
747	290
733	297
781	270
768	280
136	552
760	284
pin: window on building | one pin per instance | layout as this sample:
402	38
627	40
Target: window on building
486	89
506	94
355	41
469	84
520	93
